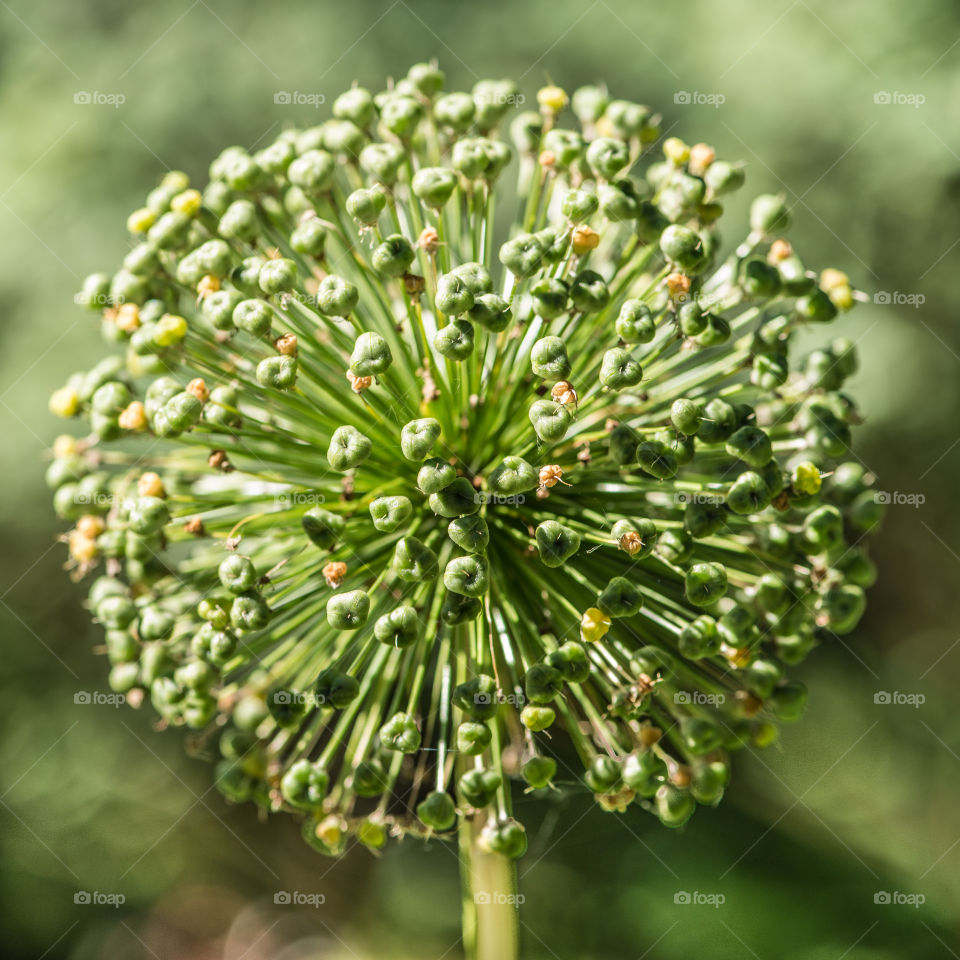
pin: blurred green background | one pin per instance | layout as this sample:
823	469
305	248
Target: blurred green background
860	798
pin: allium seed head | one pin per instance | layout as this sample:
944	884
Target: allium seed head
352	567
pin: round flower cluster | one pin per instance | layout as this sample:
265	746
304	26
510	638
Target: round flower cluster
395	501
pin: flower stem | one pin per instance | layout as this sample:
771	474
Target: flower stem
488	883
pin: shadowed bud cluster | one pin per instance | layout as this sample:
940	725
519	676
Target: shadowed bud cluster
394	500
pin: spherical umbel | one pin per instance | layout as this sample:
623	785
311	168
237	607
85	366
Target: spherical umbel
426	509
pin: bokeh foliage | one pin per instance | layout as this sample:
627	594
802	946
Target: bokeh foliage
861	797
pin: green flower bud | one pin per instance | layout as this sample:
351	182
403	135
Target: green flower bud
467	576
477	697
286	706
491	99
253	316
356	105
707	782
401	115
550	420
705	583
522	255
348	448
457	609
549	360
469	533
644	772
512	476
434	185
277	276
369	779
700	735
589	292
816	307
349	610
246	277
761	676
239	221
116	612
504	837
750	444
457	499
556	542
722	177
277	373
394	256
550	297
480	157
304	785
455	340
237	573
418	437
249	611
840	608
537	718
366	205
619	370
537	772
823	529
684	247
413	561
759	279
334	689
748	494
657	459
603	774
310	238
454	110
606	157
620	598
542	683
382	161
571	661
437	811
390	513
479	786
434	475
400	733
453	295
634	323
769	214
492	312
336	297
674	546
148	515
312	172
473	738
218	308
579	205
788	701
322	527
398	628
371	355
699	638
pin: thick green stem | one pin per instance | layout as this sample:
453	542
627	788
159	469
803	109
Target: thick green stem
488	882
